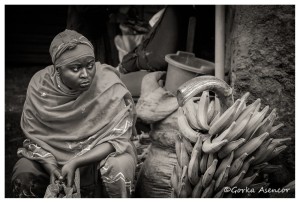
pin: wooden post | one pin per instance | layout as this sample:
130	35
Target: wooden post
220	41
191	34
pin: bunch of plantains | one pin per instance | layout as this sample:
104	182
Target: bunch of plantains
223	143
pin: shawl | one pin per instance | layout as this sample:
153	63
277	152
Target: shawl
60	124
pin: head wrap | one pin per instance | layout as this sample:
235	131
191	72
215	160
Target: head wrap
68	46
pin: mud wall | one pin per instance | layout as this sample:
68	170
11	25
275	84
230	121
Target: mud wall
260	52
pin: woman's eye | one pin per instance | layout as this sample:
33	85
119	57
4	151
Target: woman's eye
75	69
90	66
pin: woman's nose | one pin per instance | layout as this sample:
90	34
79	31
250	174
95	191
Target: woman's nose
83	73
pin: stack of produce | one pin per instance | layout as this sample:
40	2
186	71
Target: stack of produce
223	143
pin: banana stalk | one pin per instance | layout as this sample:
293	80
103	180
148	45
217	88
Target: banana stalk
202	83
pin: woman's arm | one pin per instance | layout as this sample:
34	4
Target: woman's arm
96	154
32	151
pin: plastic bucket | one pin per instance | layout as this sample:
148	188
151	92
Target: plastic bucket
184	66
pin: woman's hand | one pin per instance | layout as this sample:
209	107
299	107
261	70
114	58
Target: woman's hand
96	154
68	172
53	172
55	175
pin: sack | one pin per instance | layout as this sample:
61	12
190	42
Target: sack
154	177
157	107
155	102
164	132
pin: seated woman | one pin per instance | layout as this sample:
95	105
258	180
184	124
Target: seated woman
77	115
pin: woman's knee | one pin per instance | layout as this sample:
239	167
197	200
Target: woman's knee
117	175
121	163
24	166
29	179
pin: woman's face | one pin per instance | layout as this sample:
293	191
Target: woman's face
79	74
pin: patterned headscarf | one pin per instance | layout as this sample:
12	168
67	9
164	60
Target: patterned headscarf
72	45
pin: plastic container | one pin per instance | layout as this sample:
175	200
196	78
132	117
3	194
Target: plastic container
184	66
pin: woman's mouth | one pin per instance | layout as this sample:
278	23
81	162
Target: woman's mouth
85	84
